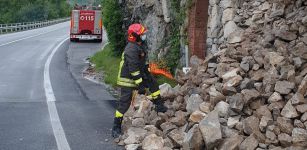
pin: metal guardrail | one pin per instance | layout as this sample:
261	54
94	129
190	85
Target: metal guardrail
15	27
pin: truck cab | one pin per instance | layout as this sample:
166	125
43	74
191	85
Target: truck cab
86	24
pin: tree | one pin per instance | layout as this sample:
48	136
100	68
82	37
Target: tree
112	18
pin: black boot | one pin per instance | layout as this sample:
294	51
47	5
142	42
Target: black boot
159	105
117	127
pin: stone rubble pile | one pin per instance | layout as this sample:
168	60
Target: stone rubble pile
252	94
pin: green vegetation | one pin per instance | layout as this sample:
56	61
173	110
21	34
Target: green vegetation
106	62
112	18
14	11
173	55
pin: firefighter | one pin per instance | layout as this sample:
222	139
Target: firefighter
134	75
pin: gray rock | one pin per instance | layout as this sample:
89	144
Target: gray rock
211	130
193	139
250	125
179	119
177	137
286	35
138	122
236	102
275	97
298	98
231	143
215	96
193	103
152	142
135	135
247	84
298	124
301	108
167	91
299	136
227	4
249	94
284	87
132	146
285	125
285	139
304	117
229	28
167	127
222	108
289	111
270	135
228	14
165	9
264	122
233	121
250	143
205	107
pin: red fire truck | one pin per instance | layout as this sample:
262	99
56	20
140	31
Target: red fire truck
86	24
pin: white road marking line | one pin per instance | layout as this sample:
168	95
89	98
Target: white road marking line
26	38
57	128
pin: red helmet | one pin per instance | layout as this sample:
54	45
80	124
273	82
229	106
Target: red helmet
137	29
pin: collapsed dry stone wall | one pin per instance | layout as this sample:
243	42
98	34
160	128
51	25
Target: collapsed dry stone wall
250	94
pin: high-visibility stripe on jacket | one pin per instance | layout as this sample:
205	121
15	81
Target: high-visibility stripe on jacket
131	66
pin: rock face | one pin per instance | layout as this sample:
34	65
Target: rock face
251	94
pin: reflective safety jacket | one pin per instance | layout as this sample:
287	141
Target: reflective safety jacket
132	66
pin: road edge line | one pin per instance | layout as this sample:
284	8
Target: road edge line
57	127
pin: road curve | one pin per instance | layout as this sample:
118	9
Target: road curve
27	120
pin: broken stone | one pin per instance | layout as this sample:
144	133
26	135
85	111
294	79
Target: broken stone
135	135
233	121
304	117
230	74
297	98
167	91
197	116
231	143
275	97
285	139
211	130
250	143
222	108
284	87
270	135
264	122
167	127
249	94
299	136
301	108
193	139
286	35
298	124
176	136
247	84
205	107
179	118
215	96
236	102
285	125
138	122
263	111
193	103
250	125
152	142
289	111
132	146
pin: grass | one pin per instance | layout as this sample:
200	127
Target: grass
106	62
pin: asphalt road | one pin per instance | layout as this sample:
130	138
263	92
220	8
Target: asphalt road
45	104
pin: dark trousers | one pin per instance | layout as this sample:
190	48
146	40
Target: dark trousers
127	92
